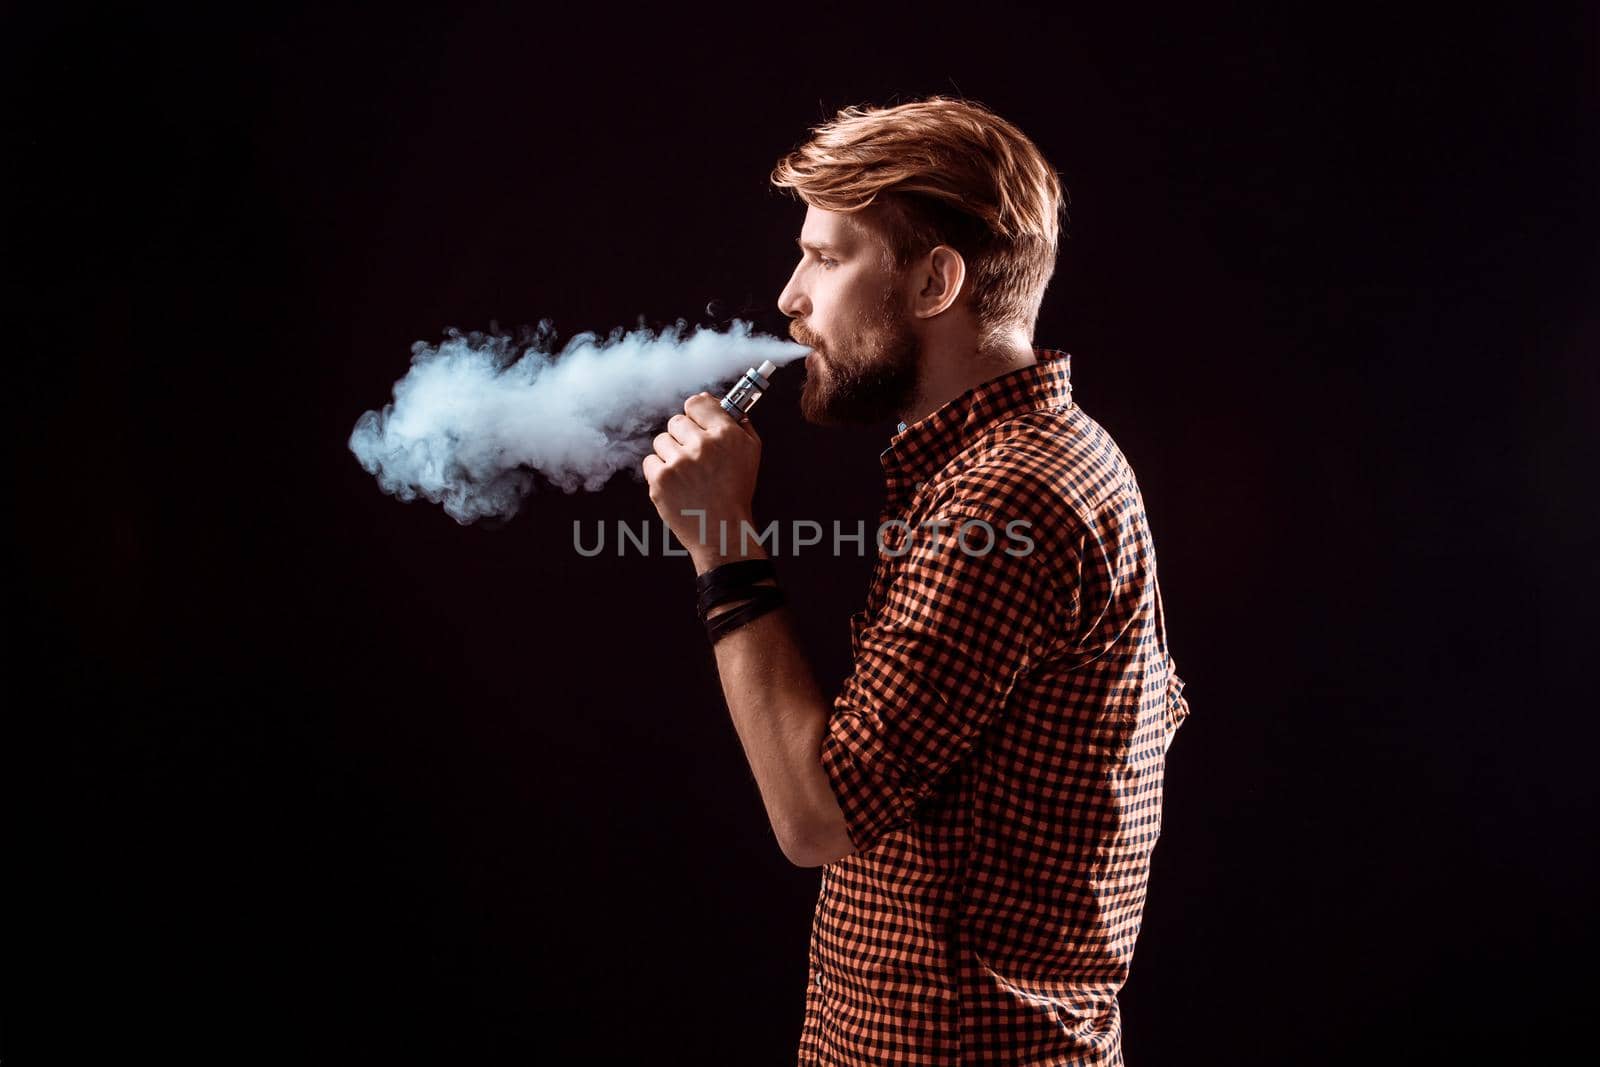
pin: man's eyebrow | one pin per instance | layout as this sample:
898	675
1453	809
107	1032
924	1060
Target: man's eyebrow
816	246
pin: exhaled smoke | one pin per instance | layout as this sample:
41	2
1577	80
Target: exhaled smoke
479	414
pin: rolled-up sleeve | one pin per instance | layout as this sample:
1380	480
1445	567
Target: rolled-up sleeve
956	631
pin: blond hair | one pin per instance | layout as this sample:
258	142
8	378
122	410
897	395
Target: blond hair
942	171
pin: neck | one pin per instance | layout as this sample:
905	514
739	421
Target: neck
952	368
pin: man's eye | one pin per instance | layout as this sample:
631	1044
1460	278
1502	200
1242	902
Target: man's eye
826	262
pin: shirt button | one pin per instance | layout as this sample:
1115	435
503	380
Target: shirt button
918	486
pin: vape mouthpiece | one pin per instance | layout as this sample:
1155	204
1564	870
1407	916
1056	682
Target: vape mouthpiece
748	389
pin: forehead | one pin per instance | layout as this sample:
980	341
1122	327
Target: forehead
833	229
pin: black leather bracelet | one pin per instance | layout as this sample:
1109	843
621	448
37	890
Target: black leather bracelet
736	593
724	624
736	572
767	598
730	580
723	595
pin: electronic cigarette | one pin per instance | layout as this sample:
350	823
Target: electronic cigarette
748	389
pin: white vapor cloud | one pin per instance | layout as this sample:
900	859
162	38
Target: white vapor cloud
475	417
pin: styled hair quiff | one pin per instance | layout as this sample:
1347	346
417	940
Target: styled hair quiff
942	171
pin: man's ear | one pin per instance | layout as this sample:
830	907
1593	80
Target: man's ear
940	276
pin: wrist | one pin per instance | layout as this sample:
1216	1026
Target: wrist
738	547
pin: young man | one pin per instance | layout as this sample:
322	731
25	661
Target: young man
985	792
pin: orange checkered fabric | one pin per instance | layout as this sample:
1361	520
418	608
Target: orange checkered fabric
999	746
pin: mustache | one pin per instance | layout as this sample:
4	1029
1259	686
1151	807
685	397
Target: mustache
803	335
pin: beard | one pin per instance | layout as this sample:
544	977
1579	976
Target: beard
869	378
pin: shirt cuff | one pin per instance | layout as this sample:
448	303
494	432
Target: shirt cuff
875	796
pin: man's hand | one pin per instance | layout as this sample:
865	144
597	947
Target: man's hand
706	461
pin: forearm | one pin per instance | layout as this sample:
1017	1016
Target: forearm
780	715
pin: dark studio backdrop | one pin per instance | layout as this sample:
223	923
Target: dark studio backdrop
303	773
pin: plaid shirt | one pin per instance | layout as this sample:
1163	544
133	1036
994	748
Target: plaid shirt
998	749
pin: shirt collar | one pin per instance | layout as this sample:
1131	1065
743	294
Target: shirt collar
920	450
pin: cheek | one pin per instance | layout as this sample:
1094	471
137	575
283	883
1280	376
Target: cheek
836	322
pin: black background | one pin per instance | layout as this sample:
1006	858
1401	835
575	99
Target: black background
303	772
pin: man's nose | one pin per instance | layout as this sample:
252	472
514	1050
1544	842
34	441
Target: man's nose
792	301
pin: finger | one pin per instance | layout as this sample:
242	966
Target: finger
719	416
699	409
667	446
708	412
684	429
